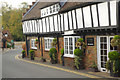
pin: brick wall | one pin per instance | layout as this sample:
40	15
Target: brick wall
91	52
90	55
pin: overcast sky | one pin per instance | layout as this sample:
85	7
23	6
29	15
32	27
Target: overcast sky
16	3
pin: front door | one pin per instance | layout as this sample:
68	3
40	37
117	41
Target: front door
104	48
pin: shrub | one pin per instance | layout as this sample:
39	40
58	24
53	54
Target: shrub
32	53
53	50
62	51
114	55
54	42
78	52
94	65
77	62
8	45
108	65
80	40
23	51
36	40
116	37
52	53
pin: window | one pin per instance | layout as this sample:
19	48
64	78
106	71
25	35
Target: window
48	42
69	45
33	44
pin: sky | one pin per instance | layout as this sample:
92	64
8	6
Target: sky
16	3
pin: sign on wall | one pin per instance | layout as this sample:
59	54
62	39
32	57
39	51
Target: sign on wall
90	41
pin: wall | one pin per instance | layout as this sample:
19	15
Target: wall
90	55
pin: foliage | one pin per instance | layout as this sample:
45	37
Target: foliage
36	40
11	20
62	51
94	65
52	53
8	45
23	51
77	62
80	40
114	55
116	66
80	43
108	65
116	37
32	52
78	52
54	42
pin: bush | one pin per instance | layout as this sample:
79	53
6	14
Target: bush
36	40
8	45
108	65
52	53
53	50
78	52
116	37
80	40
32	53
114	55
62	51
23	51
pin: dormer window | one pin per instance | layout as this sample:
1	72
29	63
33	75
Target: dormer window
50	10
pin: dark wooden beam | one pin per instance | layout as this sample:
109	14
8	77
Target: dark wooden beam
42	25
76	19
39	42
63	23
72	19
98	15
58	23
109	17
53	23
49	23
83	18
91	16
58	43
46	24
68	21
27	45
118	16
41	48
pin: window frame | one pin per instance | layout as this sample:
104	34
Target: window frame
73	42
33	47
48	43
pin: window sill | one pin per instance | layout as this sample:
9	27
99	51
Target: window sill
71	56
34	48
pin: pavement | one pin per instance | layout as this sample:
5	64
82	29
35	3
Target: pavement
13	66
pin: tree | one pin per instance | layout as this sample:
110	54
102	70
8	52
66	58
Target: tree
11	19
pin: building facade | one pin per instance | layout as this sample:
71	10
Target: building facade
95	22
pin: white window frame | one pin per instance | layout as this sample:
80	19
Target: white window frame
73	38
33	44
48	43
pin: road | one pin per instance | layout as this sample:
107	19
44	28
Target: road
12	68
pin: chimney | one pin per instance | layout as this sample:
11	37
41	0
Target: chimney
33	3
